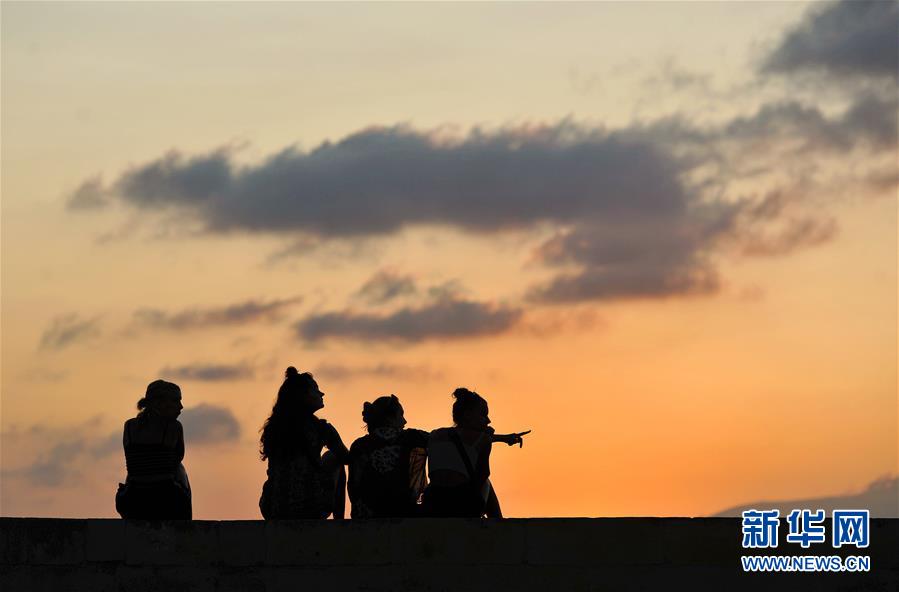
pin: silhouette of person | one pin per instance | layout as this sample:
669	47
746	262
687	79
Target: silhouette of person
302	483
459	461
156	487
386	467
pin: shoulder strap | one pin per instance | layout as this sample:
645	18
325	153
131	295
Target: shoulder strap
454	436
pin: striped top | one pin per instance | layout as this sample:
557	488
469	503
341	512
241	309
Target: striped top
151	459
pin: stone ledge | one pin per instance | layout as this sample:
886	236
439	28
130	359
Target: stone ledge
420	554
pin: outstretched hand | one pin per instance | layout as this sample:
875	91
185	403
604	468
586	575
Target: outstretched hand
517	438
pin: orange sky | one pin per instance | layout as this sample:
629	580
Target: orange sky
777	380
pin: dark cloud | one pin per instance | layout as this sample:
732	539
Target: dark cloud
380	180
68	329
386	285
242	313
845	39
209	372
339	372
881	497
631	220
209	424
870	120
443	319
175	179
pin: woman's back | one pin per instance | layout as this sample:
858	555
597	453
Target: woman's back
156	487
154	448
381	481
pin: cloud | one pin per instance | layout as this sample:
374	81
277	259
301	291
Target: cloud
340	372
68	329
57	454
209	424
447	318
638	212
881	497
869	121
242	313
209	372
847	39
63	456
380	180
90	195
386	285
796	233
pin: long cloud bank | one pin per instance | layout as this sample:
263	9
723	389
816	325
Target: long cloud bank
642	211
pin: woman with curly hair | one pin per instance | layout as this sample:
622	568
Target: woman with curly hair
302	483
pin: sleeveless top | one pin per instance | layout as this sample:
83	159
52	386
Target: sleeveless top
443	455
152	459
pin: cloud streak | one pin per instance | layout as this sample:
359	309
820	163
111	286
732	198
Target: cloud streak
67	330
242	313
340	372
386	285
209	372
448	318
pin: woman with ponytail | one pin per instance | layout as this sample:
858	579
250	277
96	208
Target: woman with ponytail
156	487
302	483
459	461
386	467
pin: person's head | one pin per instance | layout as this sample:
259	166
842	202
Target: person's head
383	412
298	397
470	410
162	399
299	392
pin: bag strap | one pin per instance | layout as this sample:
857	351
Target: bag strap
454	436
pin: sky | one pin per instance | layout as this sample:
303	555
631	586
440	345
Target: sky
661	235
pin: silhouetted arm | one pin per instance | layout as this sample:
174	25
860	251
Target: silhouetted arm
510	439
335	444
179	444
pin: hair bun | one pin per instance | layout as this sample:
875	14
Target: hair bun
291	371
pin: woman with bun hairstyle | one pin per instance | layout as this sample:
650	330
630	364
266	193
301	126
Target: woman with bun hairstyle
386	467
156	487
459	461
302	483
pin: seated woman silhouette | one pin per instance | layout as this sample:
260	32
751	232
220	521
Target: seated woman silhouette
156	487
386	467
459	462
302	483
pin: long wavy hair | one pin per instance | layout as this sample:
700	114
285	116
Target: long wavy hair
281	434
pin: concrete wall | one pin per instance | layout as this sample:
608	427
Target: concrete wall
534	554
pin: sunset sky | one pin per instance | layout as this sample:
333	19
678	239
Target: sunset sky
662	236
